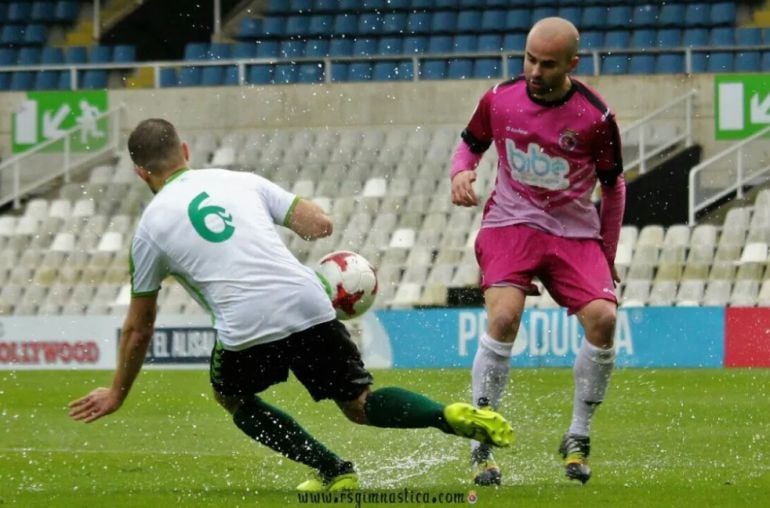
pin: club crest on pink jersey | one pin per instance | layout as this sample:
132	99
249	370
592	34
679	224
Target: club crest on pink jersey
568	140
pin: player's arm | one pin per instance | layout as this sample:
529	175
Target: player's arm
475	140
613	185
308	220
134	340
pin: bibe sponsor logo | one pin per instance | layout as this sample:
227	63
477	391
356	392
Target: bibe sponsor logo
534	167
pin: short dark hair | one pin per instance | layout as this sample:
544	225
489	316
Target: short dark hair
154	145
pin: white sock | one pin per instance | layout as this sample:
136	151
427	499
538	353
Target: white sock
591	371
489	374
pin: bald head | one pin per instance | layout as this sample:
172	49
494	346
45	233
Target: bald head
558	32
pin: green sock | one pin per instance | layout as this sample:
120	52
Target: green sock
279	431
398	408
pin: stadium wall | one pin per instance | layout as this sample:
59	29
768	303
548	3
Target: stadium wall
381	104
647	337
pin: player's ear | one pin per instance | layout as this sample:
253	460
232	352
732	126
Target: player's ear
573	63
186	151
142	173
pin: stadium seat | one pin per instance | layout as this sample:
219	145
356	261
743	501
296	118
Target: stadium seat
617	39
697	15
19	12
722	36
433	69
43	12
268	49
76	55
720	61
690	293
341	47
571	13
249	28
66	11
316	47
615	64
12	35
35	34
47	80
29	56
748	36
517	20
340	71
394	23
695	37
669	38
669	63
22	80
594	17
641	64
272	27
168	77
320	25
190	76
415	44
672	15
296	26
100	54
212	75
645	16
644	38
440	44
539	13
444	22
291	49
494	20
310	73
489	43
390	46
489	68
461	68
124	53
419	23
360	71
363	46
469	21
619	17
747	61
285	73
465	43
218	51
722	14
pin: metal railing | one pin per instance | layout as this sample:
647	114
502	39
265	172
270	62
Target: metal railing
416	62
727	172
660	130
30	170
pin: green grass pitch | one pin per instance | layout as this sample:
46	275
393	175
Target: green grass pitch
662	438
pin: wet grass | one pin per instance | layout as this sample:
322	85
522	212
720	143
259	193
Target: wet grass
663	438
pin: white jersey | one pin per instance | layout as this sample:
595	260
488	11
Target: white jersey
214	231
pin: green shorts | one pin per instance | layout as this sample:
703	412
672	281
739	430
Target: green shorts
323	358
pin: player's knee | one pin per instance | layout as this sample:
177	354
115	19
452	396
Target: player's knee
603	327
230	403
355	410
504	325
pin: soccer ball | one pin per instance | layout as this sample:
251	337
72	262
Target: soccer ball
350	281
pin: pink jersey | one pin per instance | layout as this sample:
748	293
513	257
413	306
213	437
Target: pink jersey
550	156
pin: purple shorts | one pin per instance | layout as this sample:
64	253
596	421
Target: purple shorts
573	270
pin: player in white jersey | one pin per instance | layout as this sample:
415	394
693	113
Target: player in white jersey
214	230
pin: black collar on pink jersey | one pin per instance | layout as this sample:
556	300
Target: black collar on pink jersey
557	102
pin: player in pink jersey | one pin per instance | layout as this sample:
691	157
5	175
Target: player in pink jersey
555	138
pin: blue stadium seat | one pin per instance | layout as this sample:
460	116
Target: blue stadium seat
418	22
514	42
5	80
594	18
460	68
440	44
435	4
465	43
168	77
12	35
231	76
433	69
645	16
22	80
194	51
285	73
278	6
401	5
699	61
619	17
190	76
493	20
669	63
748	36
268	49
518	20
19	12
46	80
213	75
394	23
29	56
644	38
592	39
723	14
249	28
386	71
100	54
615	64
360	71
349	5
488	43
585	66
515	65
722	36
697	15
369	23
244	50
273	26
390	46
720	61
296	25
470	4
443	22
320	24
363	46
617	39
695	37
35	35
66	11
641	64
345	24
747	61
672	15
340	71
415	44
8	56
124	53
539	13
317	47
260	74
571	13
469	21
488	68
4	19
301	5
94	79
325	6
43	12
669	37
76	55
218	51
765	64
406	70
291	49
310	72
50	55
341	47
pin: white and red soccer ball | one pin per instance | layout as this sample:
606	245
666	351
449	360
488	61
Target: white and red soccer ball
351	282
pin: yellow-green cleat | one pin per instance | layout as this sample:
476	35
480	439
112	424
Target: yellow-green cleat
483	425
347	481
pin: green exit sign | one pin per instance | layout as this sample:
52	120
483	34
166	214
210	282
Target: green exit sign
741	105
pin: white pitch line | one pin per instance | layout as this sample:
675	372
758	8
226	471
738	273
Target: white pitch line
125	452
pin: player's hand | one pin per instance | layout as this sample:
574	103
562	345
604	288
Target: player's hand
93	406
615	275
462	189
